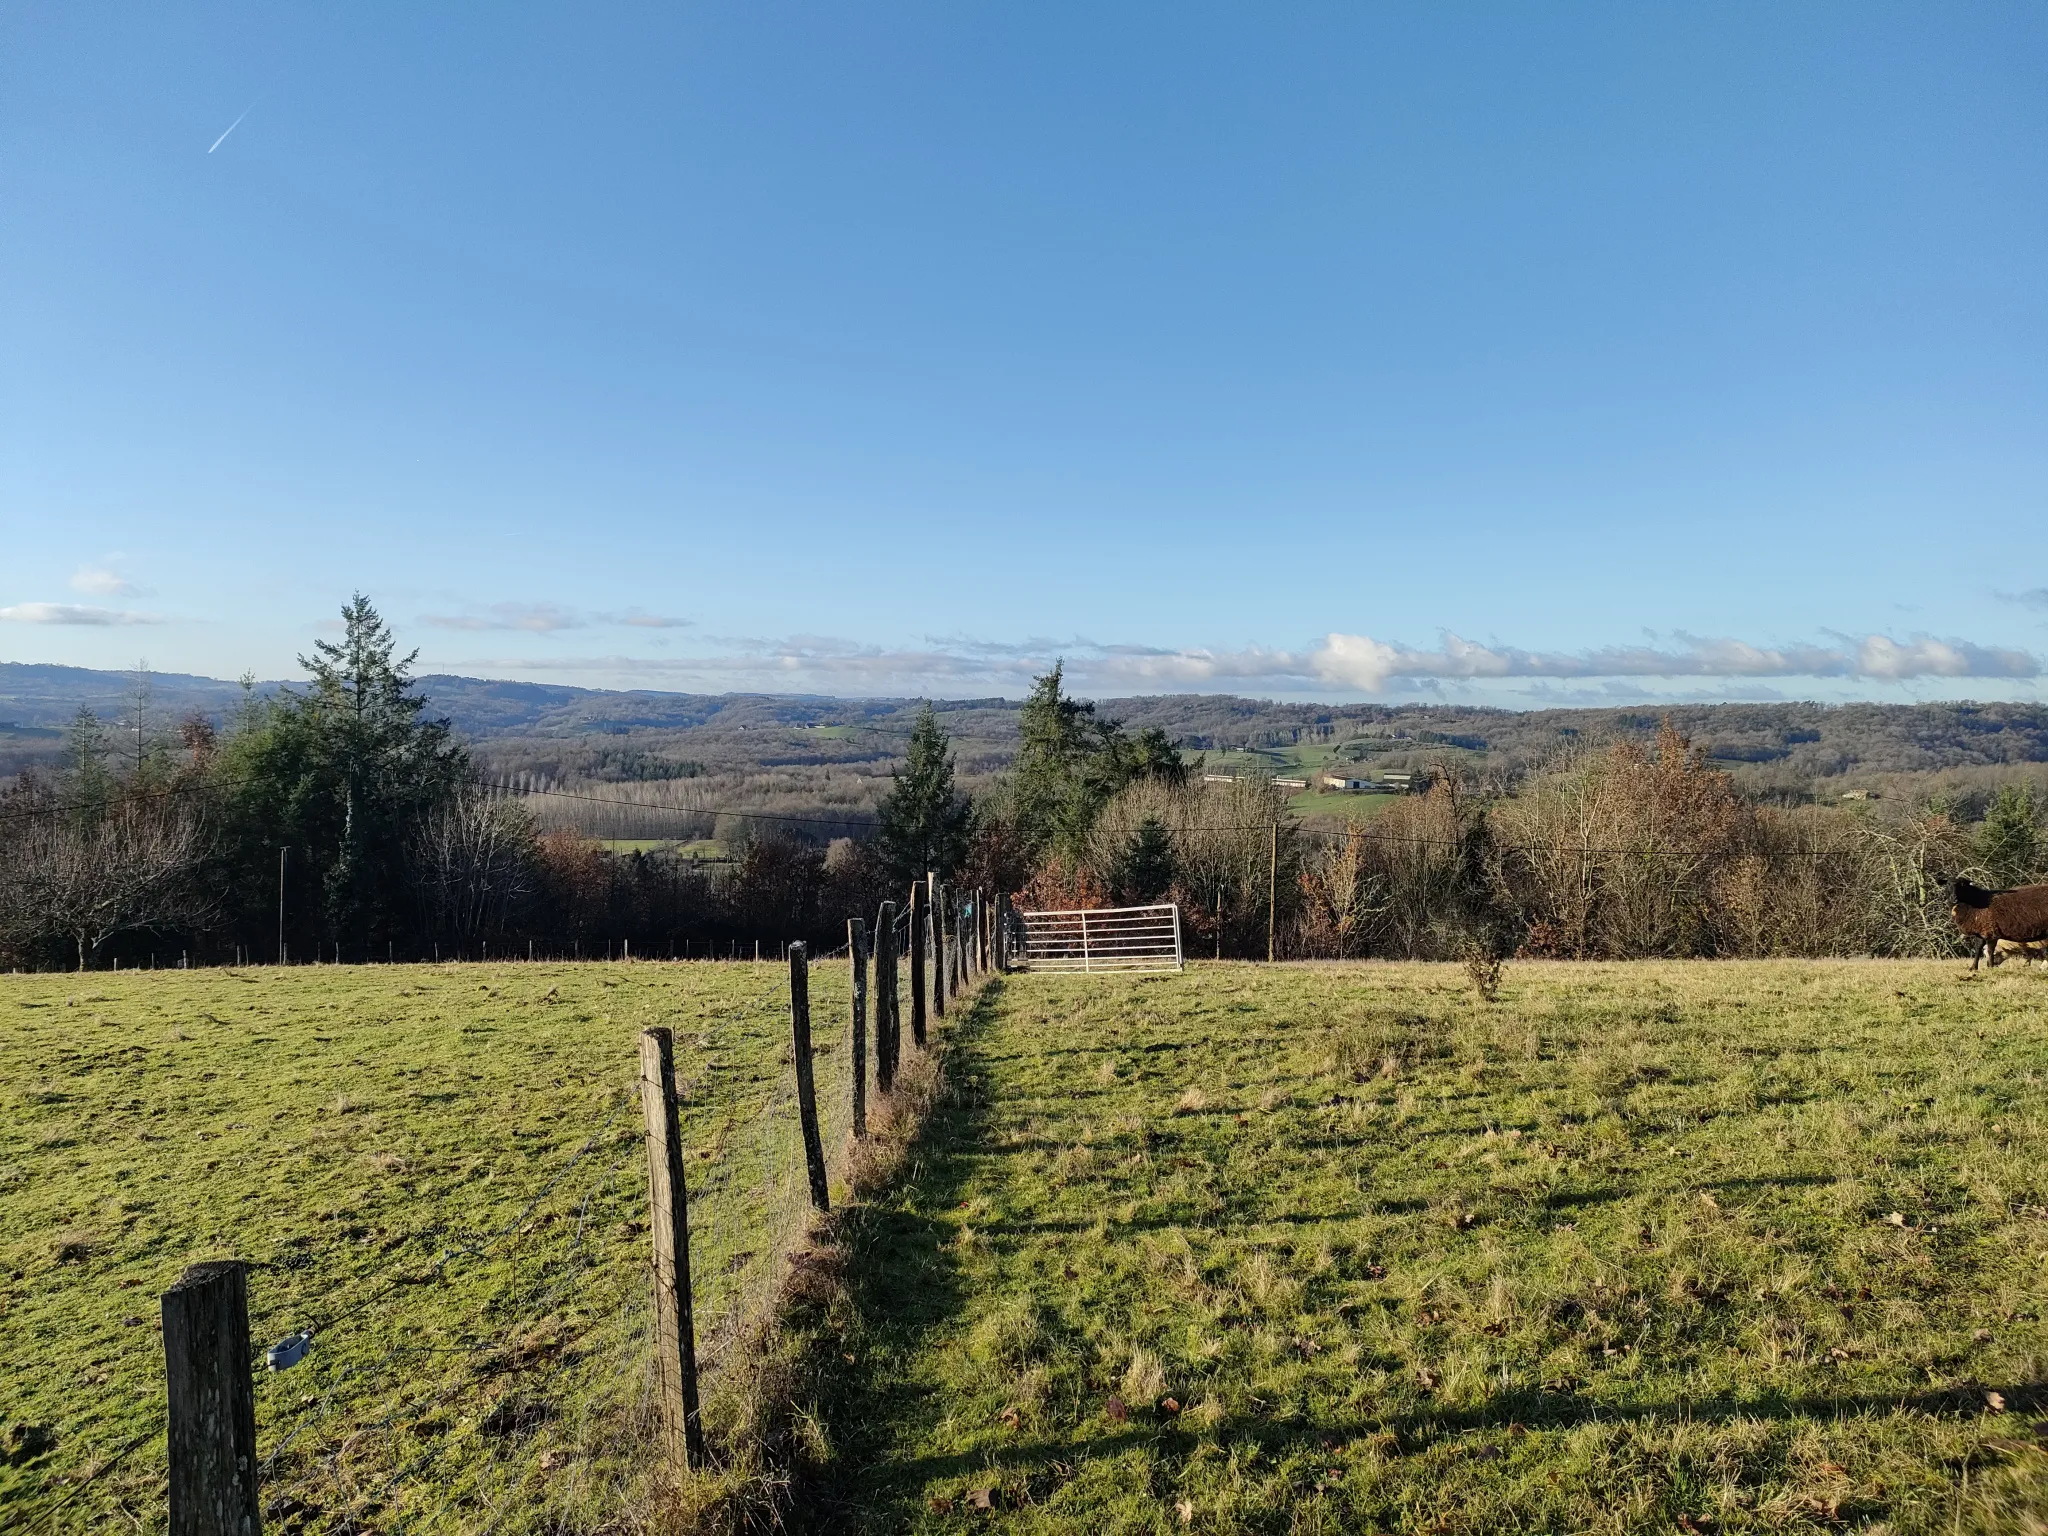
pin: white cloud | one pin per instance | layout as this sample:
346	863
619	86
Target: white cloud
102	580
961	666
71	613
1368	665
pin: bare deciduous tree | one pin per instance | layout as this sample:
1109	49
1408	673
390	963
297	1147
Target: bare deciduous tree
90	877
473	862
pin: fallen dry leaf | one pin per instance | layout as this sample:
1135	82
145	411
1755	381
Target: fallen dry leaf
1115	1410
1169	1405
981	1498
1186	1510
1994	1402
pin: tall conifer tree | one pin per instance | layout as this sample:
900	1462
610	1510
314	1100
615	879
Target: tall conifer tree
924	819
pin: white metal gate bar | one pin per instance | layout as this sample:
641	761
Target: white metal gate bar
1103	939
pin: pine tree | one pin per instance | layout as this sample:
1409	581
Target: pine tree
1070	762
1145	865
343	774
90	786
923	820
2009	841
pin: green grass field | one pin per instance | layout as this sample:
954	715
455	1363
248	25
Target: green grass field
441	1169
1652	1247
1715	1246
688	848
1340	805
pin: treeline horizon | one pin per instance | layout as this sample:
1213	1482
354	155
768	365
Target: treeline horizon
341	819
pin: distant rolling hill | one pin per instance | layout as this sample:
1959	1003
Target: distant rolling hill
1771	748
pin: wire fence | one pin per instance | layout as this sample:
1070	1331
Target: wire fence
503	1380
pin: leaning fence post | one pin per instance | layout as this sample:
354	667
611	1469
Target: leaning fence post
857	955
886	1026
920	920
806	1086
212	1431
668	1213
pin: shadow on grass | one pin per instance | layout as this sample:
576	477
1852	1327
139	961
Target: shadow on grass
899	1283
1417	1433
902	1282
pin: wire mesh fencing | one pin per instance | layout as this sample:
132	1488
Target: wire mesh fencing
491	1367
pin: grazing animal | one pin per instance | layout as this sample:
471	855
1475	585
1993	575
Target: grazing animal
2018	916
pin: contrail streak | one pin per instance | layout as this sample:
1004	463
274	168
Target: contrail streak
216	144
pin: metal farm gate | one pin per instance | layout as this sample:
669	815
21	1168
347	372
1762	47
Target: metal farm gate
1106	939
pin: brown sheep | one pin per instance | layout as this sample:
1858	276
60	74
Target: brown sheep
1986	917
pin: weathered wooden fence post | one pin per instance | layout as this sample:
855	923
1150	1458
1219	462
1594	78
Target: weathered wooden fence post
668	1213
981	945
857	956
1002	932
886	1026
956	952
806	1084
212	1403
920	925
942	952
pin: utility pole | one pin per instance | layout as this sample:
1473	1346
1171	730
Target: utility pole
141	707
280	903
1273	890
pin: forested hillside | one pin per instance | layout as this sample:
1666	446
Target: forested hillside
622	736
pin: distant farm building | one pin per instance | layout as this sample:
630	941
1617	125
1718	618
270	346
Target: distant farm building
1385	784
1290	783
1219	778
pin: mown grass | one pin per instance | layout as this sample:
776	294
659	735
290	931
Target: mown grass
439	1168
1731	1247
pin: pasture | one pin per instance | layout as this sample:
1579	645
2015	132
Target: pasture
439	1169
1647	1247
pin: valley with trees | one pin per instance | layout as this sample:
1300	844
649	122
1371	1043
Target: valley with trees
350	816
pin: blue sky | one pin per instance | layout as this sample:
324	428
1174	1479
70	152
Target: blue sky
1505	354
